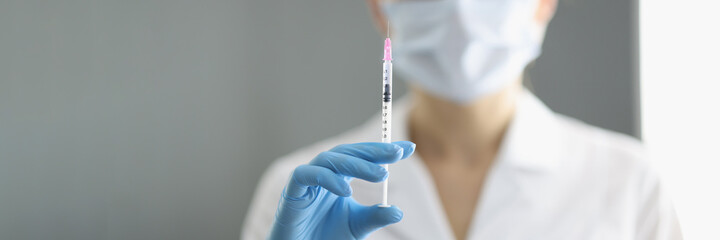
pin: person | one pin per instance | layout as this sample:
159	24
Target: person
491	162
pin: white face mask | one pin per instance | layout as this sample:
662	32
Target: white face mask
462	50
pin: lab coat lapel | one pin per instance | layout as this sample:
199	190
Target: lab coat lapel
529	152
414	192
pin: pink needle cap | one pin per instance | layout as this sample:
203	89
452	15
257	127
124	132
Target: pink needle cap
388	50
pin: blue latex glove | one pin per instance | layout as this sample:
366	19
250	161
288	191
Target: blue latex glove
316	203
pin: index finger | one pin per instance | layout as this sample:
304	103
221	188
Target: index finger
377	152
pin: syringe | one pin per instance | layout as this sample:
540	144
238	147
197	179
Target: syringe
386	107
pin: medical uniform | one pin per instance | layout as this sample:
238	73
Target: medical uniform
554	178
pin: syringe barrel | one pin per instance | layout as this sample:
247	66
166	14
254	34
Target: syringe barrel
386	122
387	81
386	101
386	113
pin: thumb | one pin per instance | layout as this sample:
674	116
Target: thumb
366	220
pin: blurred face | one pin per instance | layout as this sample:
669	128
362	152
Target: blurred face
463	50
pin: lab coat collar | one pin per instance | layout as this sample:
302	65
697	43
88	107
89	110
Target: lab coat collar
530	143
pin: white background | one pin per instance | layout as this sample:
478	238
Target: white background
680	82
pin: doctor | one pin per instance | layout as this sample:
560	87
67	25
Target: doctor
491	162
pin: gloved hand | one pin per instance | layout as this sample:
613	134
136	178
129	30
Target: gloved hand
316	203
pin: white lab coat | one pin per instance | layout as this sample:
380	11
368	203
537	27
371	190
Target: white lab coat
554	178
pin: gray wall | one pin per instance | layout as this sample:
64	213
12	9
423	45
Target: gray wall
589	68
154	119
